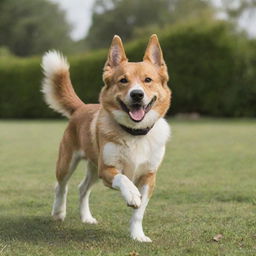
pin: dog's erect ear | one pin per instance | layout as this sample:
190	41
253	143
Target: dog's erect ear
153	52
116	53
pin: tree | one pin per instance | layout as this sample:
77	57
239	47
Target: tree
126	17
234	9
31	27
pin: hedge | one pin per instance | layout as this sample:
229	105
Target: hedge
212	70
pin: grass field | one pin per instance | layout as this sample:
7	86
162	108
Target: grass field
205	186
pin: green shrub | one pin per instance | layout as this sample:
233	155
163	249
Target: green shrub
212	71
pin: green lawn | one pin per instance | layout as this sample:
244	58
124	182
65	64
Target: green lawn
205	186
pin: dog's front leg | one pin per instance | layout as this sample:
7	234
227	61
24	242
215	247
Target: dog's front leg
146	185
114	178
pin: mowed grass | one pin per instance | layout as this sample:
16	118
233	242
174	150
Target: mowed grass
205	186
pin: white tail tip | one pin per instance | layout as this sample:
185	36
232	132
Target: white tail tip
52	62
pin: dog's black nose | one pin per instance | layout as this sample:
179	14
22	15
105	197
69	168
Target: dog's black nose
137	95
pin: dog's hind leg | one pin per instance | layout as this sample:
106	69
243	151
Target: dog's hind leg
66	165
84	193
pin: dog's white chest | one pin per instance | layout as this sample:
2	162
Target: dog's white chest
140	154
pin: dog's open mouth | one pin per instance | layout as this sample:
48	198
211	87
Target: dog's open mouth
137	111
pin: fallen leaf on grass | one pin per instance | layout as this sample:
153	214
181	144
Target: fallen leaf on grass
133	253
217	237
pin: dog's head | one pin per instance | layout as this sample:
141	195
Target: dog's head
136	94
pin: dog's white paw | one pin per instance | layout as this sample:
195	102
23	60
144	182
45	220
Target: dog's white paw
141	238
59	216
137	231
132	196
89	220
128	190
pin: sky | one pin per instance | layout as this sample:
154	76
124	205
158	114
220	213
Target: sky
79	14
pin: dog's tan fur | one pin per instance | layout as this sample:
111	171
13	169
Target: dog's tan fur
92	126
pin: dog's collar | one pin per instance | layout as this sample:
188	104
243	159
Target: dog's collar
136	132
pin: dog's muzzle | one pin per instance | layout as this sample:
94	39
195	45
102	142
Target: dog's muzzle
137	110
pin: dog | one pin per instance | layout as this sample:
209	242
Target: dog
123	138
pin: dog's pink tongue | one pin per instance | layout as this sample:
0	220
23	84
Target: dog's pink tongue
137	114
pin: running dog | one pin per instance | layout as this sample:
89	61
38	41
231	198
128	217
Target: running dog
123	138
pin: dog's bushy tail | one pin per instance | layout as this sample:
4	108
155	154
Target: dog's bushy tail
57	87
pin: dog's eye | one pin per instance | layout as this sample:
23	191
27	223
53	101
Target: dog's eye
148	80
123	81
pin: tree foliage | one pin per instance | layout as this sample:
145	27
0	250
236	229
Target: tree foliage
126	17
211	67
235	9
30	27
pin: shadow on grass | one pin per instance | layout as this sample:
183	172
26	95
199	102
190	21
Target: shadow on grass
44	229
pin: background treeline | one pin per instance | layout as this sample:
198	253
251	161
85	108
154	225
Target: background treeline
212	64
212	69
30	27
